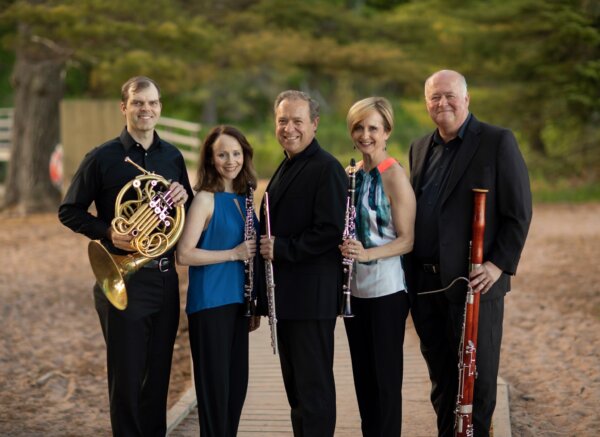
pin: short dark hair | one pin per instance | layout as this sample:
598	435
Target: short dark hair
207	177
137	83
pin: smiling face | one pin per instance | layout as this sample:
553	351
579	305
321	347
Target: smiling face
369	134
447	102
228	158
142	110
293	127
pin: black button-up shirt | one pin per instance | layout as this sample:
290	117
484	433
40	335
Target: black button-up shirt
288	163
102	174
435	178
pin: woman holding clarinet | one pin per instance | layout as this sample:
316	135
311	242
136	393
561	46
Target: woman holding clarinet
385	215
219	244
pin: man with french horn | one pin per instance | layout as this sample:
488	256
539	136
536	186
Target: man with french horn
137	294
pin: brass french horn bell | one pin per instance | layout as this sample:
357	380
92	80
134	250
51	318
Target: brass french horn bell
147	217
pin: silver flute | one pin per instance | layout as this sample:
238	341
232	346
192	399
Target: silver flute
249	234
270	279
349	233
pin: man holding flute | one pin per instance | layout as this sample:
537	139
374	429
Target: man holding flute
446	165
307	197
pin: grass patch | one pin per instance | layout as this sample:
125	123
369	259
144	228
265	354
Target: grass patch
565	191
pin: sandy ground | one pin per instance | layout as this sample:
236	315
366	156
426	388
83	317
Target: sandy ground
52	374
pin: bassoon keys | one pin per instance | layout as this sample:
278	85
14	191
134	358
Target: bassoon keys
467	370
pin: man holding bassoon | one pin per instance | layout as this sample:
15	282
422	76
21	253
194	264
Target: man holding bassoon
461	155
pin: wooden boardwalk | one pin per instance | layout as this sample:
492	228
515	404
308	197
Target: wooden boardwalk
267	413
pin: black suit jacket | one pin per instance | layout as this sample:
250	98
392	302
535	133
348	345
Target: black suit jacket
307	221
488	158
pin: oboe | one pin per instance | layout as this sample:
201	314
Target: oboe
349	233
249	234
270	279
467	370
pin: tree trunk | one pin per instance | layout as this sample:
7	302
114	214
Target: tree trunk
38	83
536	142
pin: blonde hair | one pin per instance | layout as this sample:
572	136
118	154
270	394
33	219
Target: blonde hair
359	111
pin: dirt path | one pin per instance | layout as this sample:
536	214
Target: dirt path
551	347
52	355
52	377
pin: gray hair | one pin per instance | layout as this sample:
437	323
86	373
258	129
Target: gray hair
461	78
313	105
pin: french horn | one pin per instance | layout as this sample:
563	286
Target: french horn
151	218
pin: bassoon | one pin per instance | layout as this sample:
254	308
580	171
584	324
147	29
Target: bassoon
249	234
467	370
349	233
270	279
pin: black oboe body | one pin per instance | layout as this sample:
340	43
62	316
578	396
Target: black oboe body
249	234
349	233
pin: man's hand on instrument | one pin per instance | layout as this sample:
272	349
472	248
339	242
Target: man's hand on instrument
178	193
122	242
484	276
267	246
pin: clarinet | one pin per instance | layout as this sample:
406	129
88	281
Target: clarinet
270	279
467	370
349	233
249	234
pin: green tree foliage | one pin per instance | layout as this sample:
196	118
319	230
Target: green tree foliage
532	65
537	66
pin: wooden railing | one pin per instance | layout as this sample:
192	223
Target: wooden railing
183	134
6	122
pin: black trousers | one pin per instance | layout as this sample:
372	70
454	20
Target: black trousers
376	338
438	323
306	357
219	343
139	351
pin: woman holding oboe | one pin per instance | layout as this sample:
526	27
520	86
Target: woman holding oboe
385	215
215	245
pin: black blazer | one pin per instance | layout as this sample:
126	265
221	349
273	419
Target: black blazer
488	158
307	221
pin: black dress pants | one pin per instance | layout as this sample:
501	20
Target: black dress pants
139	351
219	343
376	339
306	357
438	323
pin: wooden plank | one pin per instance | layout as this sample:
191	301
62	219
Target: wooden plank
189	156
176	138
4	155
180	124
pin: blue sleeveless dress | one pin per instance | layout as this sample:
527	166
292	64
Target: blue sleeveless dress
220	284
